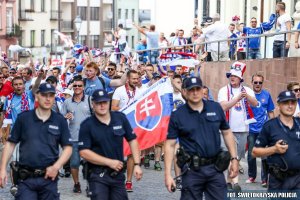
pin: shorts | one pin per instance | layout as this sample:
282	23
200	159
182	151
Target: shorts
75	157
241	141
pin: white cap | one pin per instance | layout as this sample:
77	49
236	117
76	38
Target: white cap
68	91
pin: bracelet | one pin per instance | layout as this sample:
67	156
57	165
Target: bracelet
136	164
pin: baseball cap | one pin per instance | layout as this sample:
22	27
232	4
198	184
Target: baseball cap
52	79
191	82
100	96
286	96
46	88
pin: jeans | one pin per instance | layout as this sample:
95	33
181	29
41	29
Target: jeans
153	56
252	169
279	49
75	157
254	54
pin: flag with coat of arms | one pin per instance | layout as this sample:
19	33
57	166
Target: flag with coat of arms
149	115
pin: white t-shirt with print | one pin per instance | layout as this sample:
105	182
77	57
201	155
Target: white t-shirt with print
121	95
122	36
237	114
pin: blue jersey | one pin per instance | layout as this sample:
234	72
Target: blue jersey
254	43
233	42
265	105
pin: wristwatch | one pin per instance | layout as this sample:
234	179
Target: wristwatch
136	164
234	158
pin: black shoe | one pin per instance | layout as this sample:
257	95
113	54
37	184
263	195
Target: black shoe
229	186
77	188
146	162
88	193
157	166
67	173
236	188
14	190
178	184
151	156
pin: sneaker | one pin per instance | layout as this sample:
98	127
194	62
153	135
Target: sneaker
77	188
178	184
236	188
241	170
14	190
146	162
88	192
151	156
128	186
229	186
250	180
157	166
264	184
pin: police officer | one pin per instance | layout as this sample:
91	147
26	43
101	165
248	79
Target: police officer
101	144
39	133
281	135
199	136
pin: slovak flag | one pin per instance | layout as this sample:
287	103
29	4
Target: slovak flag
149	115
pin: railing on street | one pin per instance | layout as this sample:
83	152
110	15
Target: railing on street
203	45
25	15
107	25
67	25
54	14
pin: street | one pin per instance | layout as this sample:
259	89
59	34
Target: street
149	188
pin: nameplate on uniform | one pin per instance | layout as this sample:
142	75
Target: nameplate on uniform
117	127
53	127
211	114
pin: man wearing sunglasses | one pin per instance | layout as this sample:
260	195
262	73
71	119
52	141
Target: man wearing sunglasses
262	113
69	72
295	88
76	110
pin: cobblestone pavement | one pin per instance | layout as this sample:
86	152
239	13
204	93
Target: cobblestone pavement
151	187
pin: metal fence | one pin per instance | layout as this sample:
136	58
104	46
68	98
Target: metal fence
204	45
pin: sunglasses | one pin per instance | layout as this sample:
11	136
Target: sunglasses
253	21
296	90
72	67
258	82
110	69
12	72
77	85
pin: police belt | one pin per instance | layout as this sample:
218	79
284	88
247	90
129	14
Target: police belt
288	173
103	169
27	172
202	161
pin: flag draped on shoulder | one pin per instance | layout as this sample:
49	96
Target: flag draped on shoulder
149	115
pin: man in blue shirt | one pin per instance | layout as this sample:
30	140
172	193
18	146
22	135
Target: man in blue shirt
233	43
262	113
297	37
142	45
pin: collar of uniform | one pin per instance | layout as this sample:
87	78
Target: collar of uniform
82	99
112	119
295	124
191	110
35	117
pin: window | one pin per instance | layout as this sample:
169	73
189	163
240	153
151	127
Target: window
219	6
132	41
42	5
126	13
132	14
42	38
94	41
81	11
22	39
32	5
94	13
9	20
82	39
119	13
127	38
205	8
32	38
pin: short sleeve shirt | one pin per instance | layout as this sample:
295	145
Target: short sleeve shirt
106	140
39	141
92	85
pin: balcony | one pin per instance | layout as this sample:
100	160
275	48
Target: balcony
66	26
54	14
13	31
25	16
107	25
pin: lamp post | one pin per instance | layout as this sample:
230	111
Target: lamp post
77	22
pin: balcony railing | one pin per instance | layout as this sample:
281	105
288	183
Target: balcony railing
25	15
54	14
107	25
66	26
13	31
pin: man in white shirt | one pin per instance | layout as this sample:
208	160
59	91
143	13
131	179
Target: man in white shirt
123	96
235	100
280	45
218	31
121	37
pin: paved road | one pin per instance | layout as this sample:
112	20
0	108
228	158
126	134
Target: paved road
149	188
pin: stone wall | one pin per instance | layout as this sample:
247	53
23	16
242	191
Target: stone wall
277	72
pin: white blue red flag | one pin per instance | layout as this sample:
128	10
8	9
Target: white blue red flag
149	115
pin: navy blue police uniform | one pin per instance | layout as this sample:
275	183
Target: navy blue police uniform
198	134
275	130
39	149
107	141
